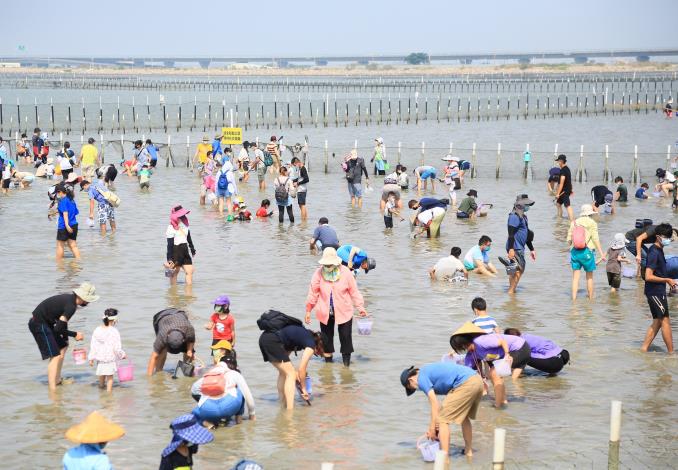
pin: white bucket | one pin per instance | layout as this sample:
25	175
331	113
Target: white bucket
502	367
364	326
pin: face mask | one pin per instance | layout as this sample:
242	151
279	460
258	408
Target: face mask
193	449
486	249
666	241
329	269
526	208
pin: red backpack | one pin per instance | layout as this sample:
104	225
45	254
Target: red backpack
579	236
213	383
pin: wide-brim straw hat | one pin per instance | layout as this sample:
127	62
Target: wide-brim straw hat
330	257
86	292
469	328
94	430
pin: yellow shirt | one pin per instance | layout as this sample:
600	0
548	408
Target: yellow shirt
89	155
202	152
591	231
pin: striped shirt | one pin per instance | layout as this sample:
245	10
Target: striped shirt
485	323
272	148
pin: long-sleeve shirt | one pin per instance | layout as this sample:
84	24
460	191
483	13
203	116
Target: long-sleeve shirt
344	293
105	345
233	380
591	227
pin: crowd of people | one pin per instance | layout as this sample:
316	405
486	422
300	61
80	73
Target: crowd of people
481	351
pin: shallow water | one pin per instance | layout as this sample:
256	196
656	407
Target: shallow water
360	417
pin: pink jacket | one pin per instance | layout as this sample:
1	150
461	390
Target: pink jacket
345	296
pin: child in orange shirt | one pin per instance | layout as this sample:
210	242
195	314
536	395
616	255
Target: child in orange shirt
263	211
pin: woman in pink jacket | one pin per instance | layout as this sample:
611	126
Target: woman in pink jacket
334	294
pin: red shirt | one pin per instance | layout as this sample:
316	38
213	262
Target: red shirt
261	212
223	329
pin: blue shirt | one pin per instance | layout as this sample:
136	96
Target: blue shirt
520	237
216	148
152	151
86	457
345	250
486	323
640	193
326	235
93	193
67	205
442	377
657	262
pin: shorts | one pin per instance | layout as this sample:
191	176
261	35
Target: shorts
614	280
272	348
65	173
88	172
582	259
659	306
63	235
355	189
111	174
261	173
5	183
428	174
105	213
564	200
223	193
301	198
521	357
154	162
106	368
462	402
49	343
390	188
180	256
388	221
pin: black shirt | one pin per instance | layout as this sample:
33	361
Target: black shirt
567	184
176	460
631	235
296	338
599	192
50	309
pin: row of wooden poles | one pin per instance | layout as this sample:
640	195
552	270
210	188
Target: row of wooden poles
327	112
499	448
174	149
470	84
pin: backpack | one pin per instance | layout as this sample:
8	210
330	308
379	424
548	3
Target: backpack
281	192
268	159
464	165
273	320
223	182
579	236
213	383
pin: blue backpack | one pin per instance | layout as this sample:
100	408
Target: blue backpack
223	182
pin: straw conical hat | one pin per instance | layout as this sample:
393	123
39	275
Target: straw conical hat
469	328
94	429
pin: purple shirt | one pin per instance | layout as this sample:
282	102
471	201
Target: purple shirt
488	349
541	348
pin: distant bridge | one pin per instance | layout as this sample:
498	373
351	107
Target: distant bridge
577	57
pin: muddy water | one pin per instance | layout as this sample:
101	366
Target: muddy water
360	416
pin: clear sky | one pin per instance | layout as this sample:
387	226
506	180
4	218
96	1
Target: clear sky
155	28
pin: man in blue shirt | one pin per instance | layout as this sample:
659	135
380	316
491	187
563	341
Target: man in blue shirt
463	389
324	235
519	236
656	280
355	258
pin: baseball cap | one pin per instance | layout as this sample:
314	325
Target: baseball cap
405	376
562	158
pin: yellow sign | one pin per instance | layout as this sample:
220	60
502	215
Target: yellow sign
231	135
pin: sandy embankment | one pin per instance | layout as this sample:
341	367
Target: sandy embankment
371	70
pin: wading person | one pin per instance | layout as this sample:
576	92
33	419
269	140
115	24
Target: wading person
355	258
300	184
519	237
324	236
564	188
656	280
334	295
276	344
584	241
49	326
174	334
105	211
283	195
67	226
179	242
462	388
355	169
88	159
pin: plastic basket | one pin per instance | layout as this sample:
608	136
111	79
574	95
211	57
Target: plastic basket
428	448
364	326
80	355
628	271
502	367
126	371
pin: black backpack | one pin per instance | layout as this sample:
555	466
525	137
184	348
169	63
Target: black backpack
273	320
281	192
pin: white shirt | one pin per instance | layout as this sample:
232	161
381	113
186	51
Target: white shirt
243	156
258	158
64	162
427	216
669	178
447	267
180	234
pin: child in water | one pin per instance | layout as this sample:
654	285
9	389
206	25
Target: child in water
106	349
145	177
482	319
641	193
615	257
391	208
263	211
222	323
